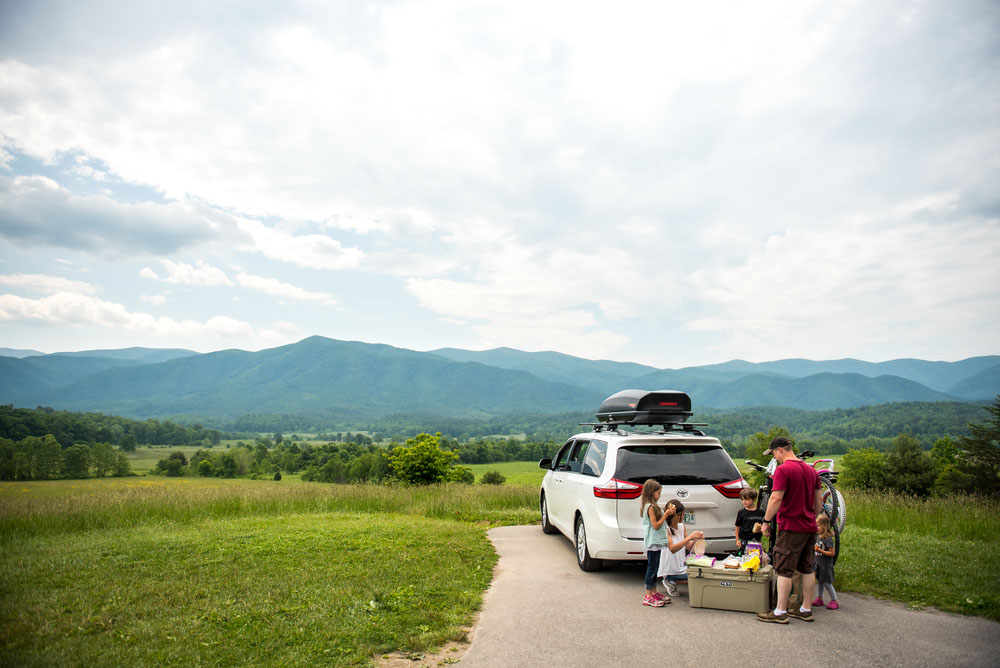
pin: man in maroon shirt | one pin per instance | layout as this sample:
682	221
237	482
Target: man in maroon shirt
795	500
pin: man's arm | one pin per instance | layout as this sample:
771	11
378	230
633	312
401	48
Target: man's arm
818	504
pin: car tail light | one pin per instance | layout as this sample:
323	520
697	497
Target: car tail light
731	490
619	489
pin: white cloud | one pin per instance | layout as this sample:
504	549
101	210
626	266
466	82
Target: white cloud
524	164
275	287
316	251
36	211
68	309
186	274
44	284
875	286
156	300
146	272
280	333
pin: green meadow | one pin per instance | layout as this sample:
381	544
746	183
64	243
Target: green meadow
148	571
516	473
188	571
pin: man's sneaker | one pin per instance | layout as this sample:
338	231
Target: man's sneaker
652	602
671	588
806	616
818	603
833	605
769	616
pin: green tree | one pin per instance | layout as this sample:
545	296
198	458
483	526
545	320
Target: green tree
865	469
462	474
122	466
422	461
76	461
102	458
47	457
127	443
756	445
981	459
909	469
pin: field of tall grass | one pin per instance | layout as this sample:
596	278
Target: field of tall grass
190	571
194	571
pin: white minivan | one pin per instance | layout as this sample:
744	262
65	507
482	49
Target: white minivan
591	490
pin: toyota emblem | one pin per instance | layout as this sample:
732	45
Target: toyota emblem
682	493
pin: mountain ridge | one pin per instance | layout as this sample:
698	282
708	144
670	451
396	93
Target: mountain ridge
329	378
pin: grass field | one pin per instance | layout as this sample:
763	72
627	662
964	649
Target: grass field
187	571
516	473
195	571
144	458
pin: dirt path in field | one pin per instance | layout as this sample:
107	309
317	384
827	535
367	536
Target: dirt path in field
544	611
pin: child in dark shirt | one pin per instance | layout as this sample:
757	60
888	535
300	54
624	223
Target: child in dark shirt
747	518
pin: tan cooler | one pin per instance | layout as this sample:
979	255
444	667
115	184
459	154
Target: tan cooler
729	589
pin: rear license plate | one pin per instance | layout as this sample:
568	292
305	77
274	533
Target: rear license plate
688	517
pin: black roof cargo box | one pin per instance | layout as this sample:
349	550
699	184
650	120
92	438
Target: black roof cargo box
644	407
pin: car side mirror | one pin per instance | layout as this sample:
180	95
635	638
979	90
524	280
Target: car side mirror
545	463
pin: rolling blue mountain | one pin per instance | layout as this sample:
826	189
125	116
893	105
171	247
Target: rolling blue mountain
331	380
599	375
316	376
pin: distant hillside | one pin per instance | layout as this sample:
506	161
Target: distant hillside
982	385
315	376
38	375
147	355
320	381
18	352
941	376
599	375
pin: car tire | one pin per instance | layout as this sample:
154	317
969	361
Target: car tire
583	558
546	525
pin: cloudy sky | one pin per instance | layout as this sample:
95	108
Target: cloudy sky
671	183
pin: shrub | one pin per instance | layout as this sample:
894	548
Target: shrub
422	461
865	469
492	478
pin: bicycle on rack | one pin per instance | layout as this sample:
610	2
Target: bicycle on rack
832	500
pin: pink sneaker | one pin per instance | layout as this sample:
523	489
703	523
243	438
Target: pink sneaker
652	602
818	603
833	605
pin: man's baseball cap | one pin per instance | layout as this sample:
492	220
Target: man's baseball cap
778	442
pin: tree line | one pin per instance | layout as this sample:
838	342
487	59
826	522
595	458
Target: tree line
967	464
69	428
420	461
44	458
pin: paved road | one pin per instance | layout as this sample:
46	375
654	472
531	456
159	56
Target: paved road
544	611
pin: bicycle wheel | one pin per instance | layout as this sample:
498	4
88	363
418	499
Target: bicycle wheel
836	543
833	505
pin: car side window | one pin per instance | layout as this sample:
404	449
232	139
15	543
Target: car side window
560	462
576	458
593	461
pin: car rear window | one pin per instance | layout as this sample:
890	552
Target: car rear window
676	464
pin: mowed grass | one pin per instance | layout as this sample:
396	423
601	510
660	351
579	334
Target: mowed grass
516	473
297	590
261	573
144	458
